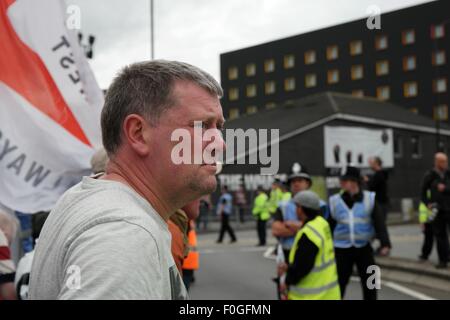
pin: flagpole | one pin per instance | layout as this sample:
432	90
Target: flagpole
152	26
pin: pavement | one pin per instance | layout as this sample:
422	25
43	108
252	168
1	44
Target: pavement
243	271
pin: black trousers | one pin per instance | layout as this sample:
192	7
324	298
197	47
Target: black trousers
363	258
428	239
261	229
225	227
188	275
440	228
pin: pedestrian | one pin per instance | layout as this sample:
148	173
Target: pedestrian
287	195
205	208
355	220
276	195
435	193
378	183
241	203
107	237
192	261
261	213
8	230
224	211
311	273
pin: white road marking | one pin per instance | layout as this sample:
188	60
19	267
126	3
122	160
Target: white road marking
400	288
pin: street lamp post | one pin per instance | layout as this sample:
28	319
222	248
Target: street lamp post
152	34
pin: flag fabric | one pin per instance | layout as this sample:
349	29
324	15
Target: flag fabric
50	105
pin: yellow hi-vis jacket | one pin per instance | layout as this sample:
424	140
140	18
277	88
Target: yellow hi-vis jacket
286	196
260	208
425	213
322	282
275	197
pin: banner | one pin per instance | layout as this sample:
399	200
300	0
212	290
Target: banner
355	145
50	105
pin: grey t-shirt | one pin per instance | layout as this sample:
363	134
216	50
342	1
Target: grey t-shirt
104	241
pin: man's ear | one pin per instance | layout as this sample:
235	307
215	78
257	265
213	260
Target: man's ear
135	131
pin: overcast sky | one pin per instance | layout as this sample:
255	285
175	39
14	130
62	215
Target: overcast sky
198	31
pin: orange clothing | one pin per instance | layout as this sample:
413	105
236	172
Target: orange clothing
177	244
192	260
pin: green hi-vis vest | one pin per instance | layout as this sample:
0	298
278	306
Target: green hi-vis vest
275	197
260	208
322	282
425	214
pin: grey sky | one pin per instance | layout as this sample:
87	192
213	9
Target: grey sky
198	31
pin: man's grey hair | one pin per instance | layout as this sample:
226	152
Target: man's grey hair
145	88
9	224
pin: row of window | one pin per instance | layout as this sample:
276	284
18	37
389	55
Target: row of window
410	88
332	52
440	112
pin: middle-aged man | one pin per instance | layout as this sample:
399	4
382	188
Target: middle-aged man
107	238
435	193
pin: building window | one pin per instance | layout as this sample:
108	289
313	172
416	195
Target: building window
440	85
409	63
410	89
289	84
408	37
398	146
414	110
233	73
233	94
250	70
381	42
234	113
333	76
356	47
269	65
438	58
358	93
357	72
310	80
382	68
416	147
251	90
289	61
271	105
440	112
332	52
269	87
310	57
252	109
383	93
437	31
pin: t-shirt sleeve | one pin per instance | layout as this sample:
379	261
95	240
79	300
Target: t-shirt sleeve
114	260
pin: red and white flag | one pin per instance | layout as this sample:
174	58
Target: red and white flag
50	105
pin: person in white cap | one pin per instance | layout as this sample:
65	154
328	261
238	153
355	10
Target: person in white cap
311	273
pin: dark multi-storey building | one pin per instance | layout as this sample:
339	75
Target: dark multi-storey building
405	61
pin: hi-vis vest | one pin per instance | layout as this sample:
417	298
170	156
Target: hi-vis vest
191	262
322	282
354	226
260	207
274	199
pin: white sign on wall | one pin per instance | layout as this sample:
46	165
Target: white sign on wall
355	145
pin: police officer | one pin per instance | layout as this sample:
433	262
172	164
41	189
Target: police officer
311	273
356	219
225	210
262	214
286	223
276	196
